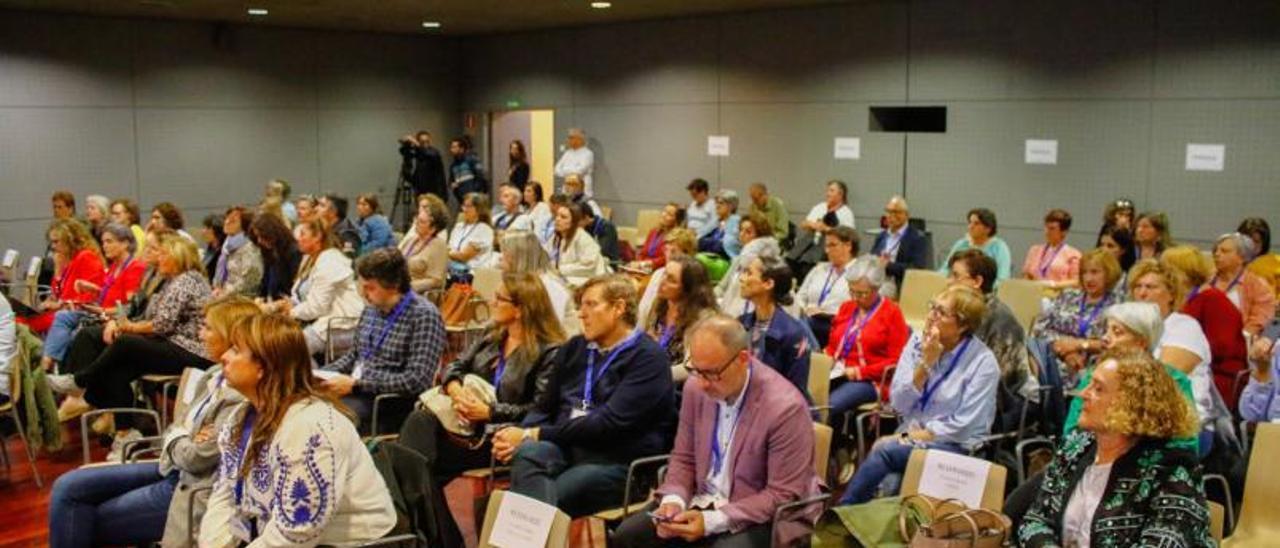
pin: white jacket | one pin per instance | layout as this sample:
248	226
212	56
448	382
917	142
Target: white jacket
328	291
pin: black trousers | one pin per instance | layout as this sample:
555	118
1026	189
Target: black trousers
423	433
86	346
107	380
639	531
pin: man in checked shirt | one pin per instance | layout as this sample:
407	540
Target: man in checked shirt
397	347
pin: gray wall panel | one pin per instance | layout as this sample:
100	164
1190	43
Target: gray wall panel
535	69
64	61
1218	49
626	65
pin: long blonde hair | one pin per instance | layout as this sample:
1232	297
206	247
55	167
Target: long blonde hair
76	235
538	320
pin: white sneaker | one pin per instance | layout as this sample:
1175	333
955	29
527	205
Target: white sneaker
64	384
117	445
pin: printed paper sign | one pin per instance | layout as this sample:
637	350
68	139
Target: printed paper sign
717	145
1206	157
951	476
10	258
848	148
522	522
34	269
1042	151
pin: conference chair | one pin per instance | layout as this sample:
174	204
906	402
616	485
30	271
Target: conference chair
992	488
1024	297
558	537
1260	509
820	384
646	221
918	288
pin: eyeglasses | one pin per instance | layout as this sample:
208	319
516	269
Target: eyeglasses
861	293
712	375
936	309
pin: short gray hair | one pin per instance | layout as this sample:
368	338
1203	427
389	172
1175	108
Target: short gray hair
103	203
866	268
727	330
1142	318
1244	245
122	233
729	197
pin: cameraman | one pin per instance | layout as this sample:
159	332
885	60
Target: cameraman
421	164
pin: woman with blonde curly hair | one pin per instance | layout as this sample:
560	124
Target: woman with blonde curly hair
1121	455
77	258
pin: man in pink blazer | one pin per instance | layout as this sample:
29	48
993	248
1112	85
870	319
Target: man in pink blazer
744	447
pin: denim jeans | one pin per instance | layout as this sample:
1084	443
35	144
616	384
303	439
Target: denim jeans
58	339
116	505
541	470
847	395
888	458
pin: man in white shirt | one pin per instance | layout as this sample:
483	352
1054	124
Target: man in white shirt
701	214
834	203
577	160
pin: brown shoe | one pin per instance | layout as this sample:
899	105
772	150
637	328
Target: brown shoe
72	407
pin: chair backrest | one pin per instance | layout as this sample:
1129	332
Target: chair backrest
188	388
992	491
9	266
646	220
1023	297
819	378
486	281
559	537
1259	510
607	212
918	288
1216	518
627	234
821	449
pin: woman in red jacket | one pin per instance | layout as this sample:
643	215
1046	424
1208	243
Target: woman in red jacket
76	258
1218	317
867	337
651	255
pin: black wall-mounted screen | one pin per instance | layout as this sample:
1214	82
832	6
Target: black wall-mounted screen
909	119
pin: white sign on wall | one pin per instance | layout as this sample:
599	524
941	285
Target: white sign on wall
522	522
1202	157
1041	151
10	259
848	148
951	476
717	145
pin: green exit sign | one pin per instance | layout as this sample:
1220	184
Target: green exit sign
513	104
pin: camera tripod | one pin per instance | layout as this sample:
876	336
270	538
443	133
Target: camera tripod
405	198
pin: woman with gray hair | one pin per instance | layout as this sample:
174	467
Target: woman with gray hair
522	252
1251	294
723	239
867	338
97	212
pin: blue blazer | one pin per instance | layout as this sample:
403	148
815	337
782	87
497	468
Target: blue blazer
786	347
913	252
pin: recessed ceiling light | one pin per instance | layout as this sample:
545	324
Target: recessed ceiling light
430	24
257	11
602	5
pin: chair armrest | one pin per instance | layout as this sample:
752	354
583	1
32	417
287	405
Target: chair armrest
636	465
84	423
142	446
780	513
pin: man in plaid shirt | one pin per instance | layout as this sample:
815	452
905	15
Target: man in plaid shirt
398	343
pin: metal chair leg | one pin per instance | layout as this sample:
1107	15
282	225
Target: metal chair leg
26	445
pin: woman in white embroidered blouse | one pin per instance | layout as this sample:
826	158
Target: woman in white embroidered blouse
293	471
573	251
471	242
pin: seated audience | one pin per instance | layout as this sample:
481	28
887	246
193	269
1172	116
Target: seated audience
573	251
1151	235
835	206
97	213
507	214
126	504
722	238
684	297
777	339
63	206
428	255
239	267
306	205
280	256
165	341
900	246
577	194
1265	265
772	209
982	236
651	254
757	240
125	211
331	209
471	240
123	276
944	389
1118	215
290	433
537	209
701	212
604	232
77	258
167	215
867	338
679	244
1183	344
1253	296
372	226
1053	262
521	252
1119	243
610	401
494	381
1073	323
723	485
1258	402
397	346
324	297
1220	321
213	236
1131	410
824	290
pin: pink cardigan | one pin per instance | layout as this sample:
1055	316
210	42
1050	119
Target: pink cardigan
1257	302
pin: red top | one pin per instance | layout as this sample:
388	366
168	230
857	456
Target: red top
1224	327
86	265
653	250
125	283
875	349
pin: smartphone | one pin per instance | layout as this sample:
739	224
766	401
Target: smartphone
659	517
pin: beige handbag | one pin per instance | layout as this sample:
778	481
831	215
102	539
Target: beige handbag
951	524
441	404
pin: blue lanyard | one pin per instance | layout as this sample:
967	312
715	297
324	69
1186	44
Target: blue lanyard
668	333
1234	282
826	286
651	250
502	365
250	417
592	375
890	249
374	345
1194	291
595	227
1083	327
462	241
111	280
717	456
927	393
854	330
1045	264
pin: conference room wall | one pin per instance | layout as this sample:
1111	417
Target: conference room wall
1122	86
203	115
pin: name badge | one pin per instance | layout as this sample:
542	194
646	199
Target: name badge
358	371
579	411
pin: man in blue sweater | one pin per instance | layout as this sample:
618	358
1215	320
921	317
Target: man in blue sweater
610	400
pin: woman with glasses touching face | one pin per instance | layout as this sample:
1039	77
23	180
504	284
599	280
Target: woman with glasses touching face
944	389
